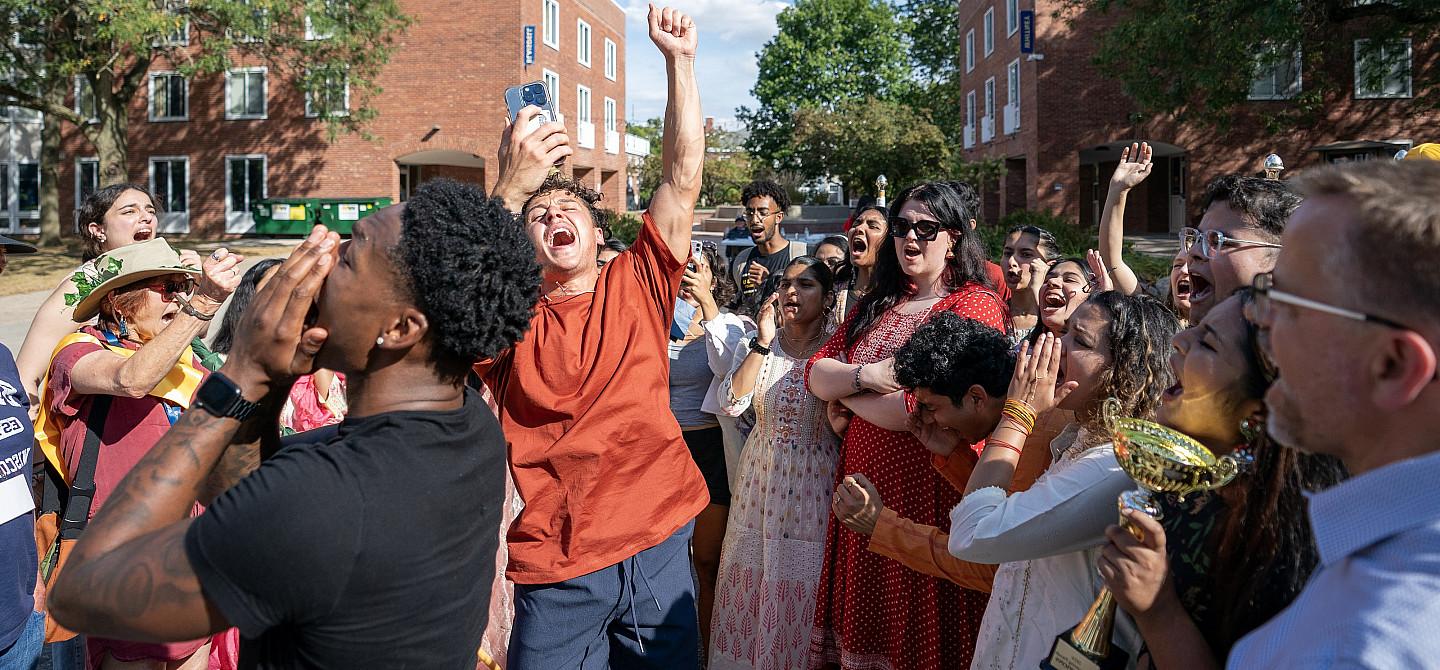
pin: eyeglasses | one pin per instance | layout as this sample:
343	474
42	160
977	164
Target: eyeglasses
170	288
925	230
761	214
1266	294
1212	240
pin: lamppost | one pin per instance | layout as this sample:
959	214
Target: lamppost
880	183
1273	166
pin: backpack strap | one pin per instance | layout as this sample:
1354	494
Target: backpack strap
82	488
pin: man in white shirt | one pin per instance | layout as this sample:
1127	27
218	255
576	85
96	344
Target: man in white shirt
1351	315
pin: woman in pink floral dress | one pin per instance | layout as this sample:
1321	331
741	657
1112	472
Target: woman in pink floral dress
770	560
872	612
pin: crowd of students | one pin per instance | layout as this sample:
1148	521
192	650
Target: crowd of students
480	433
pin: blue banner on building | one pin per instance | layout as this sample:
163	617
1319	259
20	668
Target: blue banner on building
1027	32
529	44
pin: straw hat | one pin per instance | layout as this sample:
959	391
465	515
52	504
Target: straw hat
120	268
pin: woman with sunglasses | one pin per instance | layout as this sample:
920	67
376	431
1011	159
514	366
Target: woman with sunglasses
1217	565
871	611
119	385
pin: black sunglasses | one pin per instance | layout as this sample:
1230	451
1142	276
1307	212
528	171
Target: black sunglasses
925	230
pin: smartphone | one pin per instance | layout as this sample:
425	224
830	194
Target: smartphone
697	252
533	93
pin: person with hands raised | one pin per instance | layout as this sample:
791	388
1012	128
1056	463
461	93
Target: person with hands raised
1047	537
1135	165
775	538
347	519
578	399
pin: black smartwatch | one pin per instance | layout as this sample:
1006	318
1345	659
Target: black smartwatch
758	348
222	398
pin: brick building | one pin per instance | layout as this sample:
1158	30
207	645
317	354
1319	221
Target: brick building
211	145
1060	125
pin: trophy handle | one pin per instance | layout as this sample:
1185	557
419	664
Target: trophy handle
1225	470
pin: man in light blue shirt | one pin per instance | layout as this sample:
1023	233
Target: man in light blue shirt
1351	317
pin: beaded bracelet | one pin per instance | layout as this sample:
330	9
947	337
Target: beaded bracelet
858	387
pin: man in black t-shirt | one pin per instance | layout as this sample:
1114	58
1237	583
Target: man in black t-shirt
765	205
374	546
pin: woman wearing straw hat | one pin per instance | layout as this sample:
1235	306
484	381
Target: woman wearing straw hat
126	380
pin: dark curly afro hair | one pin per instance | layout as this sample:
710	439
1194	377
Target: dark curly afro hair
591	198
470	269
950	353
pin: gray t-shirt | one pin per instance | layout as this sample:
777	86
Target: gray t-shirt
690	378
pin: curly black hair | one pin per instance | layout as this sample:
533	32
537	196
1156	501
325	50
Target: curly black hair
239	302
587	195
470	269
1140	332
1264	204
763	187
949	353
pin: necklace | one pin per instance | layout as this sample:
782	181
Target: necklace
564	291
808	344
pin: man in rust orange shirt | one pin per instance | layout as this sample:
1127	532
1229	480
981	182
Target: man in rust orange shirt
600	554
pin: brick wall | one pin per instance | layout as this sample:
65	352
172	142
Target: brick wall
449	71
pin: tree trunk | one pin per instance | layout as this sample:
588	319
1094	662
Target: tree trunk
110	135
50	171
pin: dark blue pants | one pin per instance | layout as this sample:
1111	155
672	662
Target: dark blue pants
638	613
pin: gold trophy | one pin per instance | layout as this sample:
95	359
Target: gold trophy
1160	460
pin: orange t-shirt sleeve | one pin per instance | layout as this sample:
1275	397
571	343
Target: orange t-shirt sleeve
924	550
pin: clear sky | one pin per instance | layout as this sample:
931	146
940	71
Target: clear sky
731	33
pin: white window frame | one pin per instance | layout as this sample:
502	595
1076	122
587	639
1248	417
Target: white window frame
310	32
311	113
611	115
1272	72
239	222
990	98
1409	73
612	58
584	42
264	15
264	95
82	84
24	214
185	97
1012	17
80	199
184	31
971	115
989	31
582	111
970	50
550	26
1012	84
546	75
170	220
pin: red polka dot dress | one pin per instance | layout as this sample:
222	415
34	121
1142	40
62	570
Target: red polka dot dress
873	612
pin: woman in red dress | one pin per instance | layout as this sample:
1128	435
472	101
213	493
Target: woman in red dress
872	612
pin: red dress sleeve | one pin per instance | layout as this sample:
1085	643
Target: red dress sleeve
977	302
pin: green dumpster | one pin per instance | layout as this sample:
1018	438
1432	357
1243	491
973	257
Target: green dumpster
340	214
284	216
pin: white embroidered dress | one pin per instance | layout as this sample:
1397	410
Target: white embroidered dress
779	509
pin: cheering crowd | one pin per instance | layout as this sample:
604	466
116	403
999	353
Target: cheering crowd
481	433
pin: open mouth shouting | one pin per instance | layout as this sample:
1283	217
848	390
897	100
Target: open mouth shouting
1012	277
560	235
757	232
912	251
1201	289
1182	287
144	233
1053	301
858	245
790	308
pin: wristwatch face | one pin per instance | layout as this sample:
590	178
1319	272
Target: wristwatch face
218	395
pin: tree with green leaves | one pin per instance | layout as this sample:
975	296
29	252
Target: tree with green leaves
1197	59
332	50
860	140
826	52
933	31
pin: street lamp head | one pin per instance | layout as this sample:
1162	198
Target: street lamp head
1273	162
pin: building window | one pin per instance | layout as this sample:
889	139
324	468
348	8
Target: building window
87	179
27	191
85	99
322	19
582	44
1276	79
612	127
168	97
244	186
332	98
177	15
170	182
970	50
611	56
245	93
970	109
552	83
1383	70
1012	16
990	98
989	31
582	104
551	19
1012	77
251	26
